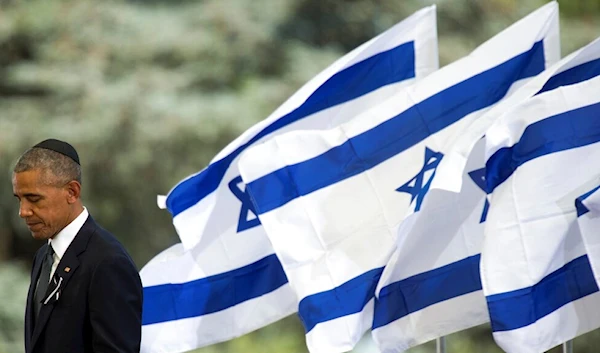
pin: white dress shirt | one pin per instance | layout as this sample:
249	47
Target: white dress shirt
60	243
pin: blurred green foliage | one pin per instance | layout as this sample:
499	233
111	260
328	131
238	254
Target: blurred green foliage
149	91
14	282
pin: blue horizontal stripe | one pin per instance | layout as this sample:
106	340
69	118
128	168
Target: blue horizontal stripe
347	299
395	135
523	307
208	295
579	206
573	75
415	293
388	67
572	129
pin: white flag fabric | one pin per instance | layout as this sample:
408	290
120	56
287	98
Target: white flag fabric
588	216
224	279
202	204
540	156
439	246
431	285
331	201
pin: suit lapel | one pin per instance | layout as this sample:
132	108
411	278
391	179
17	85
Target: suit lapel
29	316
64	272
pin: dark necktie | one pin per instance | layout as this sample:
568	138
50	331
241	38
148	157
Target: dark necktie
42	285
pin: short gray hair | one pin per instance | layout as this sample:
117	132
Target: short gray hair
62	168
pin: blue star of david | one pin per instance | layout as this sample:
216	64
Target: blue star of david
415	186
478	177
244	223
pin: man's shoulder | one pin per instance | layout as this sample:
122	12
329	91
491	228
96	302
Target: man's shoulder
103	246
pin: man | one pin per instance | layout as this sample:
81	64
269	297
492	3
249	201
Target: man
85	293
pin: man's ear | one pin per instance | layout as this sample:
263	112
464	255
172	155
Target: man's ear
74	191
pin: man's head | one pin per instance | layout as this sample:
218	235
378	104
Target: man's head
47	182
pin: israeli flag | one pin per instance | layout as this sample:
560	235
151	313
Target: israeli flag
439	246
331	201
202	204
224	279
431	286
540	156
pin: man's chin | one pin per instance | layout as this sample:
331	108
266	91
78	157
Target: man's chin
39	235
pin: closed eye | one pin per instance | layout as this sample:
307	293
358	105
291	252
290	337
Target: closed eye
33	197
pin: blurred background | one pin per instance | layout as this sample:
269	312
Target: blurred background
148	91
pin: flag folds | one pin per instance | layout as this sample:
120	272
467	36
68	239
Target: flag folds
331	201
536	276
447	232
224	279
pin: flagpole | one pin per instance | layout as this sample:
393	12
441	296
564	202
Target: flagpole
441	345
568	347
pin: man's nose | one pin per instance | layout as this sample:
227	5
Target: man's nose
24	210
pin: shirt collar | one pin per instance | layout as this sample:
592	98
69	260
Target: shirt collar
63	239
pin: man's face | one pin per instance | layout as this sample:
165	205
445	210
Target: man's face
44	207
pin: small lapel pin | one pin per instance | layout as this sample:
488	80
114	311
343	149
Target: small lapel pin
67	269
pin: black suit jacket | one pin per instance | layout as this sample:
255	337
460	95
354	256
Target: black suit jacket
94	300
